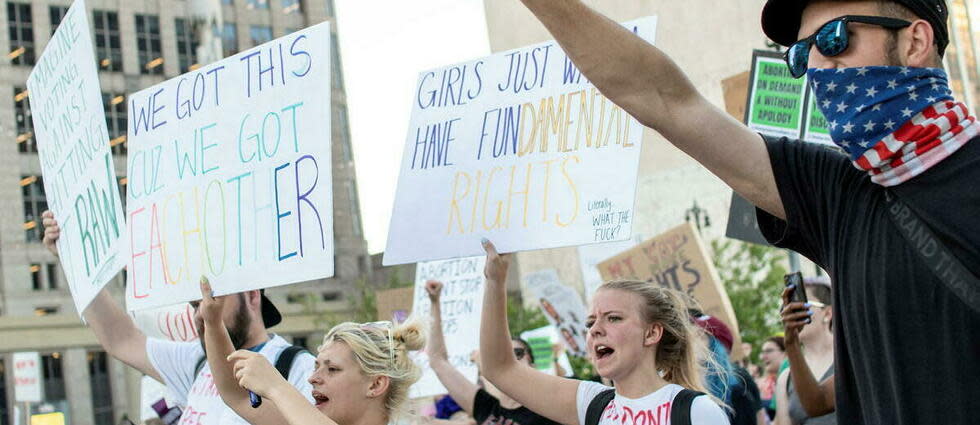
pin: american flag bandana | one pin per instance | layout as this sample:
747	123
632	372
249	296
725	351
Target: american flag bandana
893	122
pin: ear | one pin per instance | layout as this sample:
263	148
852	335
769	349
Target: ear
653	334
828	316
378	386
916	45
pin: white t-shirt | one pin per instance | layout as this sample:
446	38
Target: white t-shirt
197	395
651	409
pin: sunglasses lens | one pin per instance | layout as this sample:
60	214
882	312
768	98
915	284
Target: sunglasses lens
797	57
831	40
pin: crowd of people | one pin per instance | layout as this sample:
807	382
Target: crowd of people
853	353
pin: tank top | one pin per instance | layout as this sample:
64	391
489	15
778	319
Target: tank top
797	414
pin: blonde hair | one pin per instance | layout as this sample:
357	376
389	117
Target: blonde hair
382	350
681	352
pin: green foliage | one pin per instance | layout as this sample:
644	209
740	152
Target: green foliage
520	319
753	278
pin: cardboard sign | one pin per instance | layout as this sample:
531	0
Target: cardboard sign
462	305
562	306
541	341
395	304
230	174
677	260
73	147
591	255
27	377
517	147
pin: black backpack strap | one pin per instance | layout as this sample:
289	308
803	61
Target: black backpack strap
285	360
680	408
598	405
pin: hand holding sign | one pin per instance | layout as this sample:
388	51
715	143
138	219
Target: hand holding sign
51	231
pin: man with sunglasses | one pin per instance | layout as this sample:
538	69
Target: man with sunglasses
874	67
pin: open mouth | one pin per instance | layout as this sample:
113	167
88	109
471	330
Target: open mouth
319	399
602	351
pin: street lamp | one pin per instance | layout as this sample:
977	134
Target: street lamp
698	215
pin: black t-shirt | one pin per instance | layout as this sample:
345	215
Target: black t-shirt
907	351
746	401
487	411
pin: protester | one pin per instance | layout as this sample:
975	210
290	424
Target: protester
732	383
362	375
807	399
772	355
874	68
180	365
488	406
640	336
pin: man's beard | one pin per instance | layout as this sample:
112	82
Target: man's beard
237	329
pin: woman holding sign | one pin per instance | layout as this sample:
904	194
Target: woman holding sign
640	336
486	406
361	377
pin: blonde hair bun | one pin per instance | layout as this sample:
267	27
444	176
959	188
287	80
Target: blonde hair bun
411	334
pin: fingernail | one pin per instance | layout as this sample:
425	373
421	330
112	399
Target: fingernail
485	241
809	312
792	286
808	320
212	293
807	305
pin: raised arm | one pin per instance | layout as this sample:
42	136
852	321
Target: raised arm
113	328
460	389
254	372
652	88
549	396
817	398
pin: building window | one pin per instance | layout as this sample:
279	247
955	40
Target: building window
187	44
52	276
329	5
355	208
332	296
98	375
115	120
3	394
123	182
57	14
229	39
338	76
148	44
258	4
36	277
291	6
20	24
25	124
54	379
300	341
340	119
35	203
108	47
260	34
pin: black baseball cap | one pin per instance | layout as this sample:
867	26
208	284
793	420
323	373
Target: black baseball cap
270	314
781	19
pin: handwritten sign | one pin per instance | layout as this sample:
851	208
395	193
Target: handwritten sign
230	174
677	260
462	305
172	322
562	306
541	341
73	147
517	147
591	255
27	377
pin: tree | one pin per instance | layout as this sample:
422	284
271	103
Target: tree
753	278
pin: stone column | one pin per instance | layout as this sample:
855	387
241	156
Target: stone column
78	387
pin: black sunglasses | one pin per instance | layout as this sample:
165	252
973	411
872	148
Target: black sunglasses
519	353
832	39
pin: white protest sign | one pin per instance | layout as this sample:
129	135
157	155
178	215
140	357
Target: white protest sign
73	147
562	306
230	174
27	377
461	305
517	147
172	322
591	255
541	341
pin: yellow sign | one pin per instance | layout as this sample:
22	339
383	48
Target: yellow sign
56	418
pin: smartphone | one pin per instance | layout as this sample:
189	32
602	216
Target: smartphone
799	292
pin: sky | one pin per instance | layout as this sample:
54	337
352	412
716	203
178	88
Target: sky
383	50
